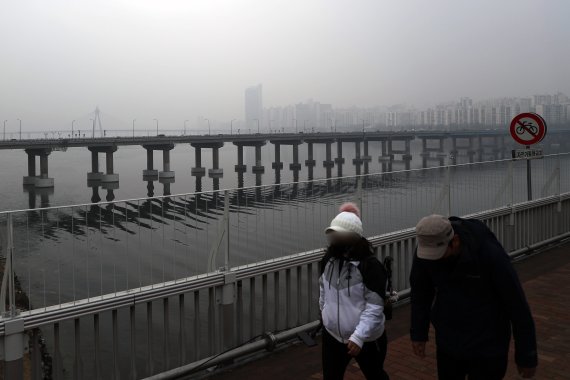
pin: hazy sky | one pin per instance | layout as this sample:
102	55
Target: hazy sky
181	59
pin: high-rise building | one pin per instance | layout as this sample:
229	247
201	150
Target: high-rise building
253	107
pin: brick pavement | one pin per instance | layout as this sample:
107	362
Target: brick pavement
546	280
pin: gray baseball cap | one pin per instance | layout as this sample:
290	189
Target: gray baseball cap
433	233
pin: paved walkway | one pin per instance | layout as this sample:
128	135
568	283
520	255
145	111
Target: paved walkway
546	280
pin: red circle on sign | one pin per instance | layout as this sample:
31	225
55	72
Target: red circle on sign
528	128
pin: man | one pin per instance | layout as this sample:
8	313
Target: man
352	289
463	281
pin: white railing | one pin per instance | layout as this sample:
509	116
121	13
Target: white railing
95	275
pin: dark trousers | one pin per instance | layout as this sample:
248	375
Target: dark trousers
371	358
449	367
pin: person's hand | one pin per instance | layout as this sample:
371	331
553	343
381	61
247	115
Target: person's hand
353	348
527	373
419	349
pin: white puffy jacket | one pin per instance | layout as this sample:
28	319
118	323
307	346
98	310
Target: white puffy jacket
350	300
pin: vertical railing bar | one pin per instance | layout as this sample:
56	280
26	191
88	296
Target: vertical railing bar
116	373
77	335
132	316
150	346
197	334
182	327
97	346
166	316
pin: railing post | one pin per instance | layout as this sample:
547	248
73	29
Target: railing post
448	185
14	348
227	225
226	299
510	222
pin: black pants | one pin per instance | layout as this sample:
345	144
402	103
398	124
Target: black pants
450	367
371	358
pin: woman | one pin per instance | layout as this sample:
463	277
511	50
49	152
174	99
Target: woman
351	300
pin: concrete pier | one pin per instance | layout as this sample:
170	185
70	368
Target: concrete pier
110	176
198	170
339	159
240	167
166	172
357	159
296	165
150	171
310	161
277	164
95	174
216	172
258	168
366	157
30	179
43	180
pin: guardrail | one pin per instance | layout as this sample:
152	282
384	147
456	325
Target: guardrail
165	323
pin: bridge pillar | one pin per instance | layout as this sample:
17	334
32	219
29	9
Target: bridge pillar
296	165
150	171
110	177
310	162
198	170
30	179
216	172
240	167
407	155
357	160
166	172
386	154
366	158
43	180
258	168
328	162
277	164
339	159
95	174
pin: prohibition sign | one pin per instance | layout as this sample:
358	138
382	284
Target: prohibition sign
528	128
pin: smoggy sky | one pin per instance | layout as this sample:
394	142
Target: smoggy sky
182	59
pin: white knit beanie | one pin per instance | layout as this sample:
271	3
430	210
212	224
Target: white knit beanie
346	222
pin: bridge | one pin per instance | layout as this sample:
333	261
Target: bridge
170	286
393	146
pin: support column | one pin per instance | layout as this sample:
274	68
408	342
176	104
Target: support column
240	167
339	159
198	170
277	165
407	155
215	172
150	171
258	168
30	179
14	348
366	158
43	180
296	165
357	160
310	161
166	172
110	176
95	174
328	162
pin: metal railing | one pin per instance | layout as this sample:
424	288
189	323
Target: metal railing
88	279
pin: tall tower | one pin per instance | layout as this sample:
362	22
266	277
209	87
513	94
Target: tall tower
253	106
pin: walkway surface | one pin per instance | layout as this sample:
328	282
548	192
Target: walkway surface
546	280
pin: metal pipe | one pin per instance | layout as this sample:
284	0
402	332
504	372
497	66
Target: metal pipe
269	342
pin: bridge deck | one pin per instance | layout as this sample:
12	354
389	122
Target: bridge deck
546	279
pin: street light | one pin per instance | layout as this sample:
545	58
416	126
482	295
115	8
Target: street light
362	125
304	126
72	122
156	126
134	128
232	127
209	129
257	125
185	121
20	128
4	133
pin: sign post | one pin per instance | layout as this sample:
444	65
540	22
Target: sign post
528	129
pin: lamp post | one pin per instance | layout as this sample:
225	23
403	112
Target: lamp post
257	125
134	128
156	126
4	132
72	122
232	127
209	128
20	128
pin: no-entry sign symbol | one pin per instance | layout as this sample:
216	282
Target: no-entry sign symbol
528	128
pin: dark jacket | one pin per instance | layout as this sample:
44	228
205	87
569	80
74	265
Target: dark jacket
473	299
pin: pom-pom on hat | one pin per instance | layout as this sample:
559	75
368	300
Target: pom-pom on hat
348	221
